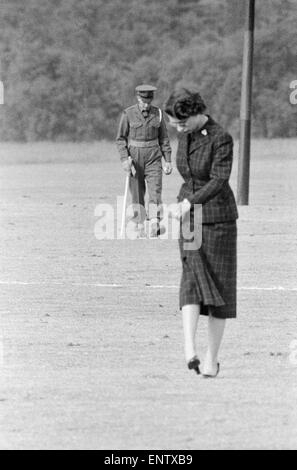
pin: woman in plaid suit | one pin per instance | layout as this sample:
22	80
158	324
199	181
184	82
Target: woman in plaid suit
208	285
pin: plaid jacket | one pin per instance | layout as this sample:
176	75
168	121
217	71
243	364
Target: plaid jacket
204	160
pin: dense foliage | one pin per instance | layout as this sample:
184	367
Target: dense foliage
70	66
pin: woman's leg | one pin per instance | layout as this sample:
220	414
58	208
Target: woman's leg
190	315
216	327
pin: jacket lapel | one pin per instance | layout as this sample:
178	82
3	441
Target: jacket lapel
183	146
139	113
151	115
202	136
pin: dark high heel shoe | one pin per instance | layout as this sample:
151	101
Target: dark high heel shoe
194	364
206	376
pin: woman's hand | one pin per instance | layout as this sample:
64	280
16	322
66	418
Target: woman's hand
181	209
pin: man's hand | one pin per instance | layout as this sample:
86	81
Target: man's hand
181	209
127	165
167	167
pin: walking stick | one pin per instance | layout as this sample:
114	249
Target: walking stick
125	205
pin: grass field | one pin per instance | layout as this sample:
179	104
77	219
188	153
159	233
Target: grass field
91	332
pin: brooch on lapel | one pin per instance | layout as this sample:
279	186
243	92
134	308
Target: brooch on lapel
204	132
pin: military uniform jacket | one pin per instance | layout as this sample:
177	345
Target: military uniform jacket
133	126
204	160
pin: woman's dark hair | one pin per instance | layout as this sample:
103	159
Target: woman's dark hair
183	103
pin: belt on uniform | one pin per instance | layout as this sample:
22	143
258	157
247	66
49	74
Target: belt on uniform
144	143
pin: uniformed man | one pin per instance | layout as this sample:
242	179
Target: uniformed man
142	141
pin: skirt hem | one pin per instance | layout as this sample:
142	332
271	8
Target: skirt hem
208	309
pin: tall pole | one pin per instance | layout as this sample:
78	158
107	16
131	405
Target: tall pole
246	106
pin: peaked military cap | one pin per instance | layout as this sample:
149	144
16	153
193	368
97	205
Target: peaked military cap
145	91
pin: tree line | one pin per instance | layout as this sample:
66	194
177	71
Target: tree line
69	67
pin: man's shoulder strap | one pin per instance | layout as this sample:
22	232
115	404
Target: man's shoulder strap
159	112
131	107
129	111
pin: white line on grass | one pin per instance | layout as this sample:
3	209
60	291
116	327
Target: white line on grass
125	286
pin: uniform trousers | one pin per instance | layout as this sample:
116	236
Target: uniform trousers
148	175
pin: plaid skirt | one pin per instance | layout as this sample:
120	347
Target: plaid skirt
209	273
